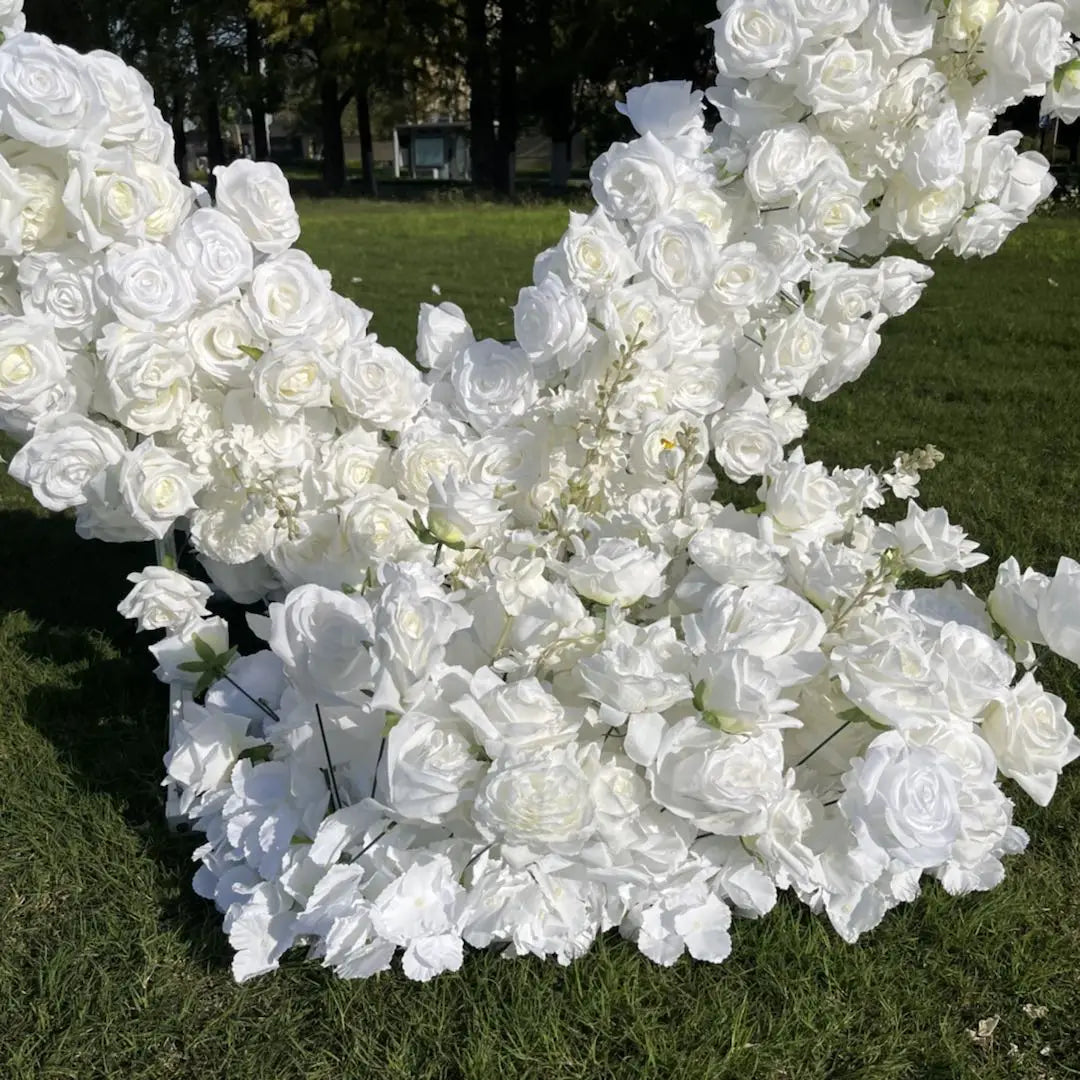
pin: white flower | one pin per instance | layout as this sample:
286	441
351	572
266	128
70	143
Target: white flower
216	254
378	385
461	512
664	109
157	488
491	384
594	253
66	453
635	181
540	800
755	36
550	321
62	289
48	96
146	286
1014	601
288	295
441	333
255	194
616	571
722	783
927	542
1059	610
163	599
736	558
291	375
1028	183
217	339
838	77
179	648
1031	738
679	256
904	802
33	374
746	442
322	638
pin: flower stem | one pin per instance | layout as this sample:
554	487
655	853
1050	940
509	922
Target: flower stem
828	738
331	779
254	701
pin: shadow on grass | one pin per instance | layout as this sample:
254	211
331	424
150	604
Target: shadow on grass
92	696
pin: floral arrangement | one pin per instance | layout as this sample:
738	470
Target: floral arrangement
527	678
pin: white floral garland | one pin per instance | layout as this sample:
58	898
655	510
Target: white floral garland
526	680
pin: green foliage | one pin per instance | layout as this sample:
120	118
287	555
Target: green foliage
112	968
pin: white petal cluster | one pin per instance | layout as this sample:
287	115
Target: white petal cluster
527	678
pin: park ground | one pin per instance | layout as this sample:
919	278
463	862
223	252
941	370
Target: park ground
111	967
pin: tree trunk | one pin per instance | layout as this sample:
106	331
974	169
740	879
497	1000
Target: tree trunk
560	164
179	137
559	122
260	143
363	126
481	103
333	142
506	165
208	108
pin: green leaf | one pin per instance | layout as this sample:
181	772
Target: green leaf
192	666
252	351
257	754
204	649
392	719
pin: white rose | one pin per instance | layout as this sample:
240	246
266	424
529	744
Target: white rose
145	381
663	447
550	321
802	500
755	36
12	19
901	283
170	201
735	558
594	253
290	376
146	286
376	526
636	181
127	96
779	162
441	333
352	461
1014	601
463	512
33	374
745	441
322	638
64	455
217	339
838	77
904	801
427	450
831	208
105	200
928	542
216	254
1031	738
724	784
1062	99
921	216
163	599
48	96
936	154
1028	183
375	383
179	648
679	256
14	201
540	800
744	277
1059	610
638	669
982	231
288	295
62	288
157	488
973	667
616	571
1019	49
792	351
988	163
492	384
41	174
664	109
430	767
826	19
255	194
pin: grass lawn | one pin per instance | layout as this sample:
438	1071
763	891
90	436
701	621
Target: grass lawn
111	967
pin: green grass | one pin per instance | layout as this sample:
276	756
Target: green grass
111	967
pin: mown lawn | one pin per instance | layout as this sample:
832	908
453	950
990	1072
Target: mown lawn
111	967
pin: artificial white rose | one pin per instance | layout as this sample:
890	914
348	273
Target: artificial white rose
145	379
1019	49
638	669
1030	737
926	541
901	283
1059	610
753	37
989	161
982	231
550	321
744	277
539	800
441	333
146	286
48	96
973	667
255	194
163	599
735	692
904	801
792	351
669	446
678	255
288	296
1014	601
921	216
219	340
735	558
63	457
724	784
378	385
292	375
170	201
322	637
664	109
491	384
105	200
936	154
838	77
826	19
216	253
431	768
41	176
1028	183
1062	98
779	162
33	374
157	488
352	461
636	181
377	525
61	287
802	501
616	571
831	208
594	253
427	450
463	512
745	442
12	19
